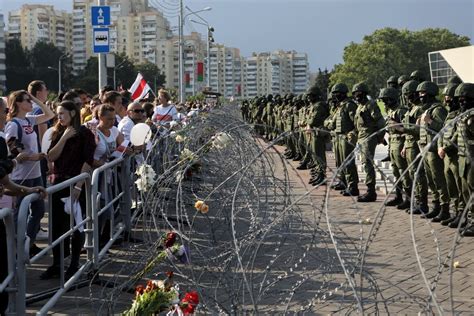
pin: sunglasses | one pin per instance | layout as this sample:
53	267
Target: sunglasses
139	111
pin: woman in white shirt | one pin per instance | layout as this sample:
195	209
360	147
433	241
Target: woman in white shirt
21	137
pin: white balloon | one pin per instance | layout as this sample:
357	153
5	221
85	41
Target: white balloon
46	141
140	134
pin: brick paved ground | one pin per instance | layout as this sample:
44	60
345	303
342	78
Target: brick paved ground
392	280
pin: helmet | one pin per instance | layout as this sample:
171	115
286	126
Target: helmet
314	91
269	97
409	87
449	89
429	87
390	93
465	90
417	75
339	87
455	80
360	87
392	79
402	79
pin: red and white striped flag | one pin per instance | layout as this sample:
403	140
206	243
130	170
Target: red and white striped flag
139	88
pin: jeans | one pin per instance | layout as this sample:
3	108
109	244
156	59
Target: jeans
36	209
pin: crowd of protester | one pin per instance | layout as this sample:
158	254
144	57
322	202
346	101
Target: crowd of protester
86	131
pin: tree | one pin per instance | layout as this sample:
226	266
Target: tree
388	52
88	78
125	72
18	70
322	81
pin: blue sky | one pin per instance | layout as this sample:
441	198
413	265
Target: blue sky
321	28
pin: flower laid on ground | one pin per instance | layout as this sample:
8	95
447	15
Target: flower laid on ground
221	140
201	207
456	264
187	154
178	253
169	239
154	298
179	138
189	302
146	178
367	221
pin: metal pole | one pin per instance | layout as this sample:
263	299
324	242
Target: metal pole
59	76
208	56
181	49
115	82
102	68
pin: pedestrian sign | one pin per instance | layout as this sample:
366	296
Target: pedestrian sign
101	40
100	16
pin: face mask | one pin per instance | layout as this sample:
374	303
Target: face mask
414	99
339	97
466	104
360	98
390	103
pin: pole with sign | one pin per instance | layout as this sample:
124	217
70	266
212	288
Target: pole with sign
100	18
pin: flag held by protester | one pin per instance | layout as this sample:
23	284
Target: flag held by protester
139	88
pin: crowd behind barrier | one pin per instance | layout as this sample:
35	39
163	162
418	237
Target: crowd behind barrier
99	199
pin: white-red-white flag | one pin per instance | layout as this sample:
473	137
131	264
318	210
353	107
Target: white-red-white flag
139	88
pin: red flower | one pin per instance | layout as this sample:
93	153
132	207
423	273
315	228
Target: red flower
170	239
150	286
189	302
139	290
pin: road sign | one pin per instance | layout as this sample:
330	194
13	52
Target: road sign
100	16
101	40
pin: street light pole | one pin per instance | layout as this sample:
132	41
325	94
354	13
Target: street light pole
101	60
59	73
182	18
208	64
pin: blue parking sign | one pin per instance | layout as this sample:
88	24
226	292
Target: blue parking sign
101	40
100	15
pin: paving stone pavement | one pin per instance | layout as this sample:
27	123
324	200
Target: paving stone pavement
392	282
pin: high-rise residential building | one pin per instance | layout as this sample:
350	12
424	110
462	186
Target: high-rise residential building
279	72
226	70
136	29
3	77
33	23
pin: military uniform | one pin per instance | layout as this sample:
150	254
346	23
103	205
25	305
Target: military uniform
318	138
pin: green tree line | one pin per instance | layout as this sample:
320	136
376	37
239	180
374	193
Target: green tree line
41	62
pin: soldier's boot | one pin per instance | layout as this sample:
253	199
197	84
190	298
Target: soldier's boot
339	186
303	165
469	231
459	218
297	157
354	191
369	196
321	178
311	165
421	207
398	199
435	211
405	204
443	215
448	221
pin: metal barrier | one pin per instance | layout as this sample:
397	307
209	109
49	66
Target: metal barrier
99	178
23	243
8	284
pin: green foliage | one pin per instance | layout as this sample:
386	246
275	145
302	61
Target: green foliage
18	71
388	52
152	75
322	81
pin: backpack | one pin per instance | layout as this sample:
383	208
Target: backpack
19	128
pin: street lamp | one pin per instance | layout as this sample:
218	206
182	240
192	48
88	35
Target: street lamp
59	72
182	17
209	40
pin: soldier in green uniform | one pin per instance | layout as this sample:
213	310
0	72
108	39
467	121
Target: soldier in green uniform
447	151
464	136
346	135
392	82
395	115
318	137
369	125
410	151
417	76
431	123
401	81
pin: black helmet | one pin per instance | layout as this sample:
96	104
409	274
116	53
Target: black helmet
449	89
409	87
455	80
402	79
465	90
314	91
392	80
360	87
339	87
417	75
389	92
429	87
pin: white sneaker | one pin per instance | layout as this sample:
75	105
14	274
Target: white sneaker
42	235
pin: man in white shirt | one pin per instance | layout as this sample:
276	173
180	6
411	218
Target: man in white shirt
135	114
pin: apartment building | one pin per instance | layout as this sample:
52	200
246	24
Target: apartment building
3	77
33	23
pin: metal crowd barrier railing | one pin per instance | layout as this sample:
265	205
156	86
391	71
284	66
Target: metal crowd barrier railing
120	171
8	284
